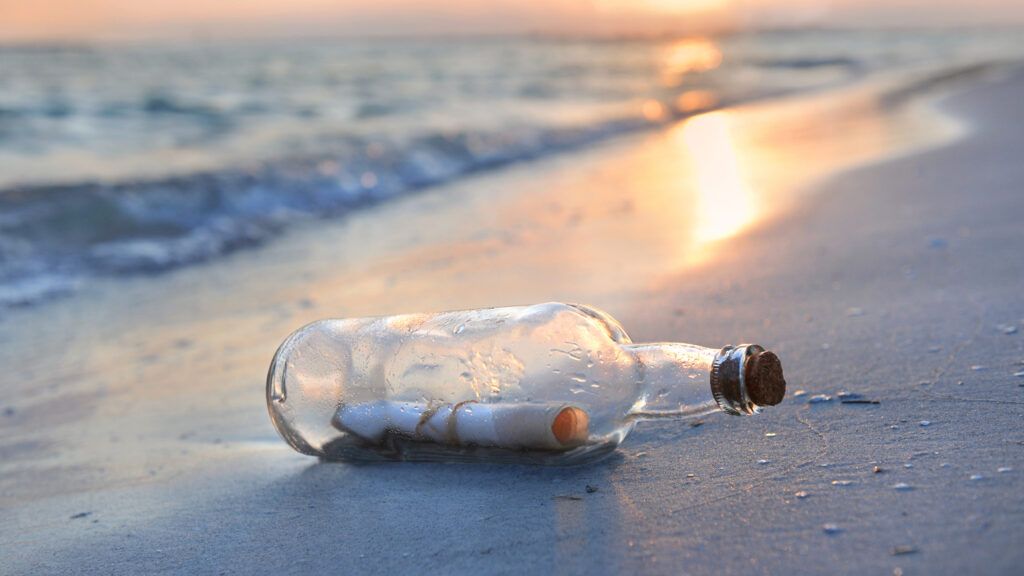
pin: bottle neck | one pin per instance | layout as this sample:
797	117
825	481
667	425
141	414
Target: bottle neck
683	380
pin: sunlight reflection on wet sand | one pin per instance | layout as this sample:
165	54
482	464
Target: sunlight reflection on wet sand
724	202
625	215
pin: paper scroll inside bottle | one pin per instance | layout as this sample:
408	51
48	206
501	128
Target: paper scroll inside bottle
514	426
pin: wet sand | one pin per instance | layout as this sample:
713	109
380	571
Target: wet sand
135	437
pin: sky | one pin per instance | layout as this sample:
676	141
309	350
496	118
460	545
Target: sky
135	19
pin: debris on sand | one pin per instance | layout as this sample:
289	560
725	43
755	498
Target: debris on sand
1008	329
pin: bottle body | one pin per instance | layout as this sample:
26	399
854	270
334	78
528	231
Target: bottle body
553	383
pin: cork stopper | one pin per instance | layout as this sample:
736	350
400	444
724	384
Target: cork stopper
763	378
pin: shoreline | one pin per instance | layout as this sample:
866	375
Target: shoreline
202	246
81	438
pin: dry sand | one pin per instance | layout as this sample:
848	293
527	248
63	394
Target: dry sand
135	439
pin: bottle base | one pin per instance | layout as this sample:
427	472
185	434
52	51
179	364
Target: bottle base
402	449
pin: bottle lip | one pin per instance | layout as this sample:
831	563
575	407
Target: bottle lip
731	375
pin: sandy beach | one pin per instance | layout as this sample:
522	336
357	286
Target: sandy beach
135	436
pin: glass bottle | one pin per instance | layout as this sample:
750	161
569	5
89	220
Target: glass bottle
551	383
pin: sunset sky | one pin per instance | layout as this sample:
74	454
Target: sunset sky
130	19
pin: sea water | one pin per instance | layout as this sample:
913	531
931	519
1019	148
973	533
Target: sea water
127	158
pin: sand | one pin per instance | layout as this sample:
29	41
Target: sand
135	437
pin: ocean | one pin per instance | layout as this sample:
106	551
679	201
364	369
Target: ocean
138	158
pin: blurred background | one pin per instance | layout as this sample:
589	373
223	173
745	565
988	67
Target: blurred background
142	137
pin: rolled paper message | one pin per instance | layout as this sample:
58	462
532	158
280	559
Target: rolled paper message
518	426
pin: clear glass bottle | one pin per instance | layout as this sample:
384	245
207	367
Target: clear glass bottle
552	383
